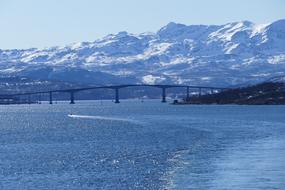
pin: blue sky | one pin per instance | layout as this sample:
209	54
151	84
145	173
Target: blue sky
44	23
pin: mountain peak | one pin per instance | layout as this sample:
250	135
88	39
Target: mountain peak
279	25
239	24
176	31
246	23
122	34
171	27
174	24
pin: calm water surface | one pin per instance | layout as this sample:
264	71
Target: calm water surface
136	145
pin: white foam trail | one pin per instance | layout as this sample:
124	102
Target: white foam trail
102	118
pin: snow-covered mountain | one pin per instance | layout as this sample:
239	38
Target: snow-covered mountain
236	53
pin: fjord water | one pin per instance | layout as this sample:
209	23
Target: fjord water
135	145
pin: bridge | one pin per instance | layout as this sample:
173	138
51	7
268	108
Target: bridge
116	89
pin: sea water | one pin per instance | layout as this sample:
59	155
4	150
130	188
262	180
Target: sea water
141	145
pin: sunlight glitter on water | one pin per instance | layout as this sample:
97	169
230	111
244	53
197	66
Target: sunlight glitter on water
137	145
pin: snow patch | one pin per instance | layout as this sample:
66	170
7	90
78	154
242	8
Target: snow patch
277	59
150	79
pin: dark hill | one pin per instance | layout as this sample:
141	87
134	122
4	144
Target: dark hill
261	94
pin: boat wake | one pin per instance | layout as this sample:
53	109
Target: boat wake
103	118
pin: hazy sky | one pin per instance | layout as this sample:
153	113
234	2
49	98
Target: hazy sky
43	23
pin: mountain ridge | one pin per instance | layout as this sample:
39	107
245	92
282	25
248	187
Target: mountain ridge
220	55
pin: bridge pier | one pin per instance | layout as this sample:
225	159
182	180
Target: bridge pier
200	92
72	97
29	99
163	95
187	92
50	97
40	99
117	96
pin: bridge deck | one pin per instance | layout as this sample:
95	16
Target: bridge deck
118	87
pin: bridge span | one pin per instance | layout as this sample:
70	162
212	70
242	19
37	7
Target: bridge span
116	89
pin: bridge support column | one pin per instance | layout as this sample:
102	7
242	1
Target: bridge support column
50	97
72	97
188	93
40	99
200	92
163	95
29	99
117	96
